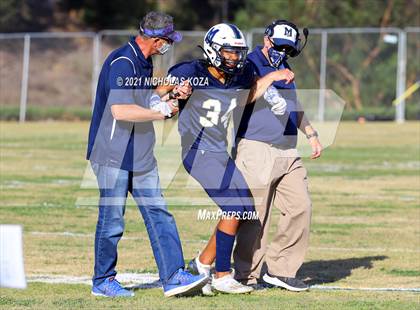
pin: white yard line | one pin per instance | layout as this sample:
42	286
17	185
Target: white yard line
150	280
375	289
376	250
332	249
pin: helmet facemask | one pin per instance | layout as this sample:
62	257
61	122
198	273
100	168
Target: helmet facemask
230	59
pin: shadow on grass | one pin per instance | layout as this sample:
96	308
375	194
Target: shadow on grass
327	271
315	272
144	286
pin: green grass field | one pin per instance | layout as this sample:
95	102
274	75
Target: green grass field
365	226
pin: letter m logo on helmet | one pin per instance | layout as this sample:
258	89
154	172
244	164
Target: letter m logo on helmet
210	34
287	32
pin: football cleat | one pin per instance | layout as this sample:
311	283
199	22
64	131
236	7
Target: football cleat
227	284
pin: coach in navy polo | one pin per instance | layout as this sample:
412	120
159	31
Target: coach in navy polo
269	162
120	149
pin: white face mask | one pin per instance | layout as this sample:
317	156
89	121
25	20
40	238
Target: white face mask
164	48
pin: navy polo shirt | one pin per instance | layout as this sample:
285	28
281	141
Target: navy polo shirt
122	144
257	122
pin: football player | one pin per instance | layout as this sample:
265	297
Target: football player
228	82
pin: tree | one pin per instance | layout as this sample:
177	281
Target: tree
25	15
350	57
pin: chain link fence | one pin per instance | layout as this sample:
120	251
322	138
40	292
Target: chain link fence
48	75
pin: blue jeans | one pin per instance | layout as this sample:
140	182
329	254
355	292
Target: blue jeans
114	184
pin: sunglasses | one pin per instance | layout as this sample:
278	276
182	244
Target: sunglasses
283	48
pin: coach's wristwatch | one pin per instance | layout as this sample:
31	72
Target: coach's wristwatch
311	135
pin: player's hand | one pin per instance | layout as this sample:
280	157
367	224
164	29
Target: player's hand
316	147
183	90
283	74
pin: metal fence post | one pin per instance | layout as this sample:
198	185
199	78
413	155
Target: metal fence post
249	39
401	76
25	76
172	57
96	64
323	76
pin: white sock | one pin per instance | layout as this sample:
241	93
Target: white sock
202	267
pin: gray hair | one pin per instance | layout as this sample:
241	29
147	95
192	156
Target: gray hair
155	20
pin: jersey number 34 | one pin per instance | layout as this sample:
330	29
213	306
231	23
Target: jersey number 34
213	107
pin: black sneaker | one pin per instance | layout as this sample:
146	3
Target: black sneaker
291	284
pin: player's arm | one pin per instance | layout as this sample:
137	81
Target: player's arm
260	86
162	90
177	84
165	97
174	91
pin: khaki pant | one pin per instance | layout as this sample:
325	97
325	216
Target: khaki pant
276	178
